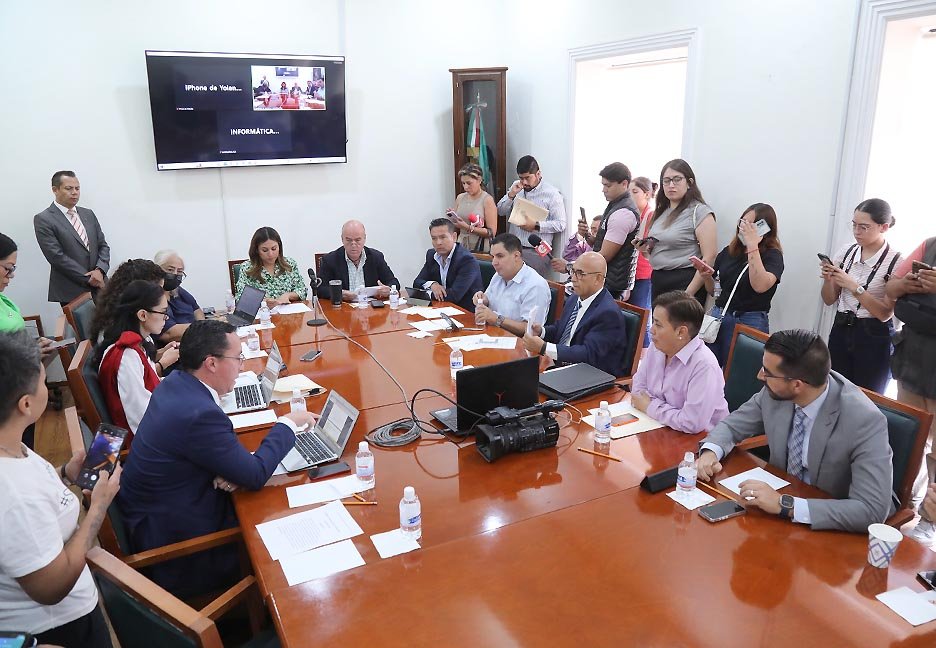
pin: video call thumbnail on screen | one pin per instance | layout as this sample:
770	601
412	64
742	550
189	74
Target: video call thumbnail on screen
212	109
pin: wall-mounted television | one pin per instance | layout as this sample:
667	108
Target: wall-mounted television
214	109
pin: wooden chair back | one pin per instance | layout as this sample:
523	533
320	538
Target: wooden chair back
635	322
233	272
557	297
79	312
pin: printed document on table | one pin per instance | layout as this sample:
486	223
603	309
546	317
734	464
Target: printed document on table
733	483
392	543
434	325
916	607
643	423
324	491
321	562
253	419
290	309
691	500
307	530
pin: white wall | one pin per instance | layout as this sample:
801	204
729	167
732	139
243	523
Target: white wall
771	97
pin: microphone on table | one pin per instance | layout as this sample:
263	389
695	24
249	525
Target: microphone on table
543	248
450	322
314	283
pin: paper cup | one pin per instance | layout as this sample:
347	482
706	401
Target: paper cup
882	544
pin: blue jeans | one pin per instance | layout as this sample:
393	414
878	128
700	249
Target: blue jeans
722	344
640	296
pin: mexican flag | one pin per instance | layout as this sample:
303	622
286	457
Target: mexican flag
477	145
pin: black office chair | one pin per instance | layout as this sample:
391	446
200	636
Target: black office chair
744	362
80	312
557	297
635	326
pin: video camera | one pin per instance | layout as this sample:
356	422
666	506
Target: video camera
509	430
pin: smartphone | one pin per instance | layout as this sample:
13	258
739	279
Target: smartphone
919	265
102	455
311	355
376	303
722	511
701	265
16	639
208	311
58	345
582	218
824	258
327	470
623	419
928	578
762	227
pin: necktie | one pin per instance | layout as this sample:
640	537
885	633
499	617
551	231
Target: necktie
795	444
76	223
567	331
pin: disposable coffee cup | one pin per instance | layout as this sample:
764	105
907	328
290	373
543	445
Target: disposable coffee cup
334	287
882	545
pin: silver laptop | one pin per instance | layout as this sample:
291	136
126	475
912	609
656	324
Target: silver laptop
327	440
251	393
247	307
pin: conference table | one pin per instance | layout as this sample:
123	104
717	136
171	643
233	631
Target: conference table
553	547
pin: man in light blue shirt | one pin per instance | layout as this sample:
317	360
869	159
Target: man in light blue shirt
515	291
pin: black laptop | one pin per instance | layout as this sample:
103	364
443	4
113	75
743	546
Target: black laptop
574	381
245	311
481	389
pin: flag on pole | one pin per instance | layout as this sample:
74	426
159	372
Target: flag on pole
477	144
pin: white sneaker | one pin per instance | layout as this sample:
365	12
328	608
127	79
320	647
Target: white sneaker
924	533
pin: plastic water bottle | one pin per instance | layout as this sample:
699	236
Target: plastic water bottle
364	465
686	477
603	423
264	314
456	362
410	514
253	340
394	297
229	302
297	401
361	297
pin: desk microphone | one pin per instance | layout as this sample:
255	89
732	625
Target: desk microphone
314	283
543	248
450	322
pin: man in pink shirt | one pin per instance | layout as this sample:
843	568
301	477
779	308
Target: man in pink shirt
679	382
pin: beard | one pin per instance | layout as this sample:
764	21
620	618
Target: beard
774	395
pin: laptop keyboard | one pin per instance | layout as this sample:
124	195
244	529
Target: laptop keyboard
247	396
313	450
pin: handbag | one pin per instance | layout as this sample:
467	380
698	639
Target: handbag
710	323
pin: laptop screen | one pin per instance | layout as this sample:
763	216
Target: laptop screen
337	420
249	302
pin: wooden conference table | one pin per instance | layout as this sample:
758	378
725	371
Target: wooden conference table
558	547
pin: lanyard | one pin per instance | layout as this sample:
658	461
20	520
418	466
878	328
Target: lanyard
855	252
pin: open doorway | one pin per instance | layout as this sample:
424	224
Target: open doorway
617	117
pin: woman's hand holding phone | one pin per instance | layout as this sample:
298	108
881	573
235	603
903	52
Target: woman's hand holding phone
105	488
701	266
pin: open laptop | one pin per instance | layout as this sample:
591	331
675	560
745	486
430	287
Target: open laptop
327	440
481	389
246	308
574	381
418	297
251	393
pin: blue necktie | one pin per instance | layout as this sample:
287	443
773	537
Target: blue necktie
795	444
567	331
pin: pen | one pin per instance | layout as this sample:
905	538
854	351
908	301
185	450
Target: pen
359	498
360	503
598	454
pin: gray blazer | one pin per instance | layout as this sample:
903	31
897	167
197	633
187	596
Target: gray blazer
849	452
69	258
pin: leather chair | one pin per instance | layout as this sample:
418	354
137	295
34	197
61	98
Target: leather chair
487	271
83	382
635	325
745	359
80	312
557	297
234	273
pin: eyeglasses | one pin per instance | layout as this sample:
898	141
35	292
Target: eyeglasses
675	180
767	374
10	269
240	358
164	313
578	274
861	227
179	273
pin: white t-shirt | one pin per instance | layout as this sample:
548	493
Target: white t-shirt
38	514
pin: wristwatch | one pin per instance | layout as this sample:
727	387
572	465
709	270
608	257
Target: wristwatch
499	322
860	291
786	507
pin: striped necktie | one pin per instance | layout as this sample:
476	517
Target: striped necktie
76	223
795	444
567	331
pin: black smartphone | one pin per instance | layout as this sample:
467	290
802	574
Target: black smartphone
327	470
721	511
919	265
824	258
928	578
311	355
582	218
16	639
377	303
102	455
208	311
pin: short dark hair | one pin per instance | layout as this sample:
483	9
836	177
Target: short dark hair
510	242
616	172
7	246
19	370
527	164
442	222
681	309
201	339
58	175
803	355
879	211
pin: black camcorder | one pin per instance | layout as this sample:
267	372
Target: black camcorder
509	430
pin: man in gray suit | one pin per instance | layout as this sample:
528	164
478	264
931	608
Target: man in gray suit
820	428
71	239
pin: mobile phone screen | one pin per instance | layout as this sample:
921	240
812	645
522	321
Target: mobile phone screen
623	419
721	511
919	265
311	355
102	455
14	640
928	578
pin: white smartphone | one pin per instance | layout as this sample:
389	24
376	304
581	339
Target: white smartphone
762	227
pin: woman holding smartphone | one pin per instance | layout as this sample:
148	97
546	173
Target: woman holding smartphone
477	202
856	281
754	262
682	226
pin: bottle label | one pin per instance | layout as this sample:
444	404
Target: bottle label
411	521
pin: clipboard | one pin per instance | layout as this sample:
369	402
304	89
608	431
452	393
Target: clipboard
524	209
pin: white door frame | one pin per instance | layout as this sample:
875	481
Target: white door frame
688	38
859	117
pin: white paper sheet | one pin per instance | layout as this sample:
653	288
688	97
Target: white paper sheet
916	607
290	309
251	419
324	491
393	543
696	499
250	355
732	483
488	342
296	381
307	530
643	423
321	562
451	311
434	325
419	334
416	310
243	331
524	209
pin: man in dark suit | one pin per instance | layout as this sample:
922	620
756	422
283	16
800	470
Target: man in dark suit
451	273
820	428
591	329
72	240
186	460
356	265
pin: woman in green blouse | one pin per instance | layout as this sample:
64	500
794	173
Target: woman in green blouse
10	317
268	270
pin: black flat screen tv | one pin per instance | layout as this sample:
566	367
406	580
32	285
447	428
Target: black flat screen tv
214	109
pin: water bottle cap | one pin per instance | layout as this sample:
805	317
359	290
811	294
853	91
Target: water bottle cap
362	446
409	493
689	457
603	405
297	393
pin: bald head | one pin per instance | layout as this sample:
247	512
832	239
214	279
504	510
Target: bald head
353	238
588	274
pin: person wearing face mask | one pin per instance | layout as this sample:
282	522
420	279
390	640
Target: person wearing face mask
127	371
183	309
820	428
267	269
856	282
678	381
755	264
475	201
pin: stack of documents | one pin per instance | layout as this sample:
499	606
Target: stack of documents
432	313
284	387
482	341
434	325
326	491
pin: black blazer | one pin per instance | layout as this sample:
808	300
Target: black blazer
462	280
600	339
376	269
